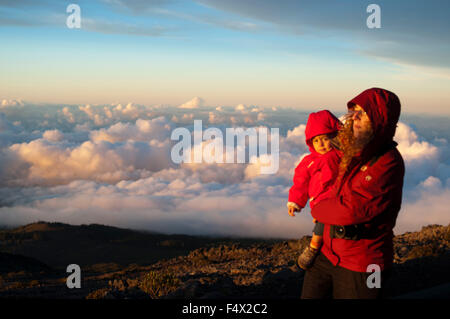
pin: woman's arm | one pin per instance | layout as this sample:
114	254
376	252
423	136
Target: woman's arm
366	195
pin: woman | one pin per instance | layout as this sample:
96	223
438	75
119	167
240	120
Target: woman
359	219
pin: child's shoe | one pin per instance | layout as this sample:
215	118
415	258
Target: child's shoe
307	257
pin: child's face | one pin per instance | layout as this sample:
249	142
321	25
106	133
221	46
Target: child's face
321	144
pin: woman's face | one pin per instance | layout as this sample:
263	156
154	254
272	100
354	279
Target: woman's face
362	127
321	144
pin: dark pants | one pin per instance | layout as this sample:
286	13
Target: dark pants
318	229
324	281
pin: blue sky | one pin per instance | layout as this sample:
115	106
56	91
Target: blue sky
300	54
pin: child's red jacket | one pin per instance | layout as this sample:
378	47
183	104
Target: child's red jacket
370	193
315	174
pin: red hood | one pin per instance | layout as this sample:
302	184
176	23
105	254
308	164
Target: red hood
383	109
322	122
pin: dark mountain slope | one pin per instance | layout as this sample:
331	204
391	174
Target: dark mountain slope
59	245
220	269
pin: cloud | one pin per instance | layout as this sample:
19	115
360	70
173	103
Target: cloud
11	103
209	213
111	164
52	14
5	125
143	130
104	115
430	206
107	27
52	162
421	158
195	103
138	6
53	135
23	3
417	38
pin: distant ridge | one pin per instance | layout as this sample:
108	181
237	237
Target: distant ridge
42	226
59	244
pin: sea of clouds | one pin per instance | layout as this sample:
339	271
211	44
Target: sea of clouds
111	164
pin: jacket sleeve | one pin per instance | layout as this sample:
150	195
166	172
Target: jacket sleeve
373	192
298	193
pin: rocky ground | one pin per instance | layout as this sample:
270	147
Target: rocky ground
263	270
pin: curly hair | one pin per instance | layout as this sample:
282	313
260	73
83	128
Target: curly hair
346	142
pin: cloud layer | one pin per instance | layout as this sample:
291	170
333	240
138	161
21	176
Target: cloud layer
111	164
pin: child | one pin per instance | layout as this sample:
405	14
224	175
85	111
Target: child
315	175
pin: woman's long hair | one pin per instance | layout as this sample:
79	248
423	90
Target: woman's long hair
345	141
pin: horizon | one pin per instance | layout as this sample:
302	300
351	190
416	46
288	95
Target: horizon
302	109
290	54
222	236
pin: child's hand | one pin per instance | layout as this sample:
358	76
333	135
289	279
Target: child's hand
291	210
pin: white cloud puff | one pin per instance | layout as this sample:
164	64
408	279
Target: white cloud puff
11	103
195	103
53	163
411	148
53	135
421	158
143	130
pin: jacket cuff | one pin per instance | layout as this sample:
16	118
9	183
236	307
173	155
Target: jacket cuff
292	204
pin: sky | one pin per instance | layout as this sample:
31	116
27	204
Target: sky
87	115
300	54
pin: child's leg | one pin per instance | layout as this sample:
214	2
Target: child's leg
306	258
317	238
318	229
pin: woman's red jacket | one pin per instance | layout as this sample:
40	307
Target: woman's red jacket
370	193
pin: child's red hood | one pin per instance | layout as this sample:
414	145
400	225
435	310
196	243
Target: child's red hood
322	122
